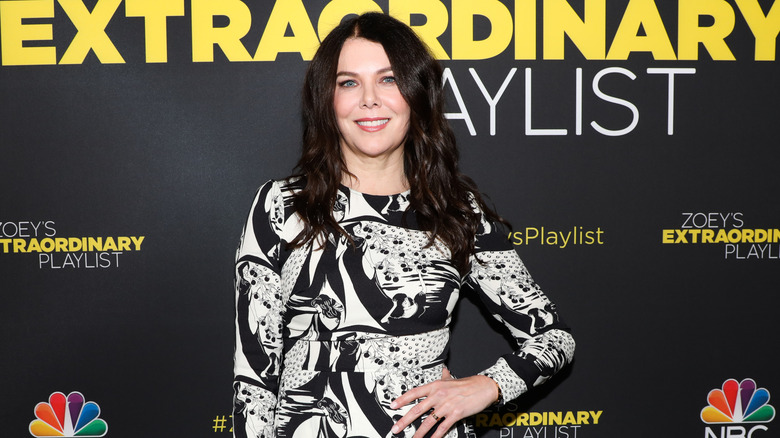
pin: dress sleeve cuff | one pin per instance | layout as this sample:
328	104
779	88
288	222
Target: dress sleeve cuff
511	385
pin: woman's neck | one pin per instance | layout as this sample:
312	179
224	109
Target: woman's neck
374	179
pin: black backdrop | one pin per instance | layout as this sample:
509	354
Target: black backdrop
173	151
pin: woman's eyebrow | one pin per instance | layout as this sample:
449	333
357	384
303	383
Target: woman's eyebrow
351	73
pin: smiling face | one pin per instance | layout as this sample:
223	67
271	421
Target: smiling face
372	115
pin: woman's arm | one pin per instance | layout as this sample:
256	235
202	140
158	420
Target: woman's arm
259	315
545	344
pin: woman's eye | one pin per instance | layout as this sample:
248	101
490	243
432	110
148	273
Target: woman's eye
388	79
347	83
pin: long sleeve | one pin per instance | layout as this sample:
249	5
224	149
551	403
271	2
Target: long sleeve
507	290
259	313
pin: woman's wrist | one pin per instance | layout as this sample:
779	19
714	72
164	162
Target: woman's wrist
499	394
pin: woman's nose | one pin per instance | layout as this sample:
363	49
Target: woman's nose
370	97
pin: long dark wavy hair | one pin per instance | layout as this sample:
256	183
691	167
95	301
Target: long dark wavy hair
441	195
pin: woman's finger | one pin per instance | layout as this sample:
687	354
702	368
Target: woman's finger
409	396
429	423
443	426
418	392
437	420
429	394
450	400
415	412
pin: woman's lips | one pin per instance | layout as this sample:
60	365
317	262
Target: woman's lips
372	124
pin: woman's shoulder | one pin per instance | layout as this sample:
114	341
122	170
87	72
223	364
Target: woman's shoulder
278	191
273	207
483	209
284	186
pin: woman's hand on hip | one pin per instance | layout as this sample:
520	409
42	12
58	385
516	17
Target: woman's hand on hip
449	399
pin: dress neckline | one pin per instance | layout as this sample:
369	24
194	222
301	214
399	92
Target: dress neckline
350	189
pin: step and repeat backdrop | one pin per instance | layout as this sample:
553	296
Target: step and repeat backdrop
633	145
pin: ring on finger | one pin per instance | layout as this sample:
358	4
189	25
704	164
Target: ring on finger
435	417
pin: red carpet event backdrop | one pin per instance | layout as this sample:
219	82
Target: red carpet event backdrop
632	144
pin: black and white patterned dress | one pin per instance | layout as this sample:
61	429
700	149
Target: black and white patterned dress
327	338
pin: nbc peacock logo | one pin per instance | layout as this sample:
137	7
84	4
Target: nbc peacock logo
738	402
69	416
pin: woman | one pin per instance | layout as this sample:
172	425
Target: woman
347	273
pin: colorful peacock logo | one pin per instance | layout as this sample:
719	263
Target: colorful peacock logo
68	416
738	402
